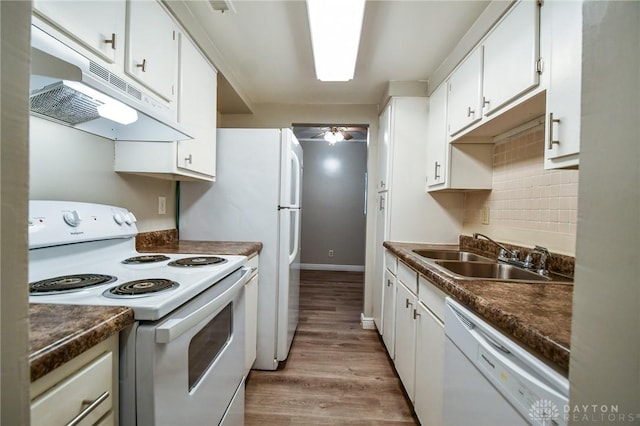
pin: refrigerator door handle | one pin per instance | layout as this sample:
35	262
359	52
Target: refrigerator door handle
296	236
298	179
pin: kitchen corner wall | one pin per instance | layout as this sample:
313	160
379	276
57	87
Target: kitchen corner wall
68	164
527	205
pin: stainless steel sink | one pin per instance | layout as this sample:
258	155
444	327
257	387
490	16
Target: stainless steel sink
496	271
452	255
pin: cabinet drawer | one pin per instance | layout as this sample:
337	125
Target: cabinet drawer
67	399
408	276
391	262
432	297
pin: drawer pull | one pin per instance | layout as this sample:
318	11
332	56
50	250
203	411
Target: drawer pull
143	65
90	408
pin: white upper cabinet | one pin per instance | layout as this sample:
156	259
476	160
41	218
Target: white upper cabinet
437	137
465	93
562	133
497	82
511	52
98	26
197	111
453	166
152	47
384	150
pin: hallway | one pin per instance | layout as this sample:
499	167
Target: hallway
337	373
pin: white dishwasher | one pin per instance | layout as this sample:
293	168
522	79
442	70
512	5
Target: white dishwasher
490	380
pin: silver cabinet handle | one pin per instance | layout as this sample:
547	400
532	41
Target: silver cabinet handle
551	121
189	159
416	314
485	102
143	65
112	41
388	283
90	408
470	112
381	202
408	303
436	171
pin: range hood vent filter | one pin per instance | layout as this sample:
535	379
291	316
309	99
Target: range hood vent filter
63	103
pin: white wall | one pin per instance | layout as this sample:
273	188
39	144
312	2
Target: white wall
68	164
605	340
14	166
333	199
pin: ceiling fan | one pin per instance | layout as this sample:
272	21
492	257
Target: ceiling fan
337	134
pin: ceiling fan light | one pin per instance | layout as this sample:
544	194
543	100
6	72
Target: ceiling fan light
332	136
335	27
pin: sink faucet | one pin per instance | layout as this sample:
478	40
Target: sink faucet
503	250
544	254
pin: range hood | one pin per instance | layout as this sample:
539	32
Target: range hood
70	89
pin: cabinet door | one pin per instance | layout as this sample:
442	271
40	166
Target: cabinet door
380	277
384	149
152	47
251	325
562	133
389	312
465	93
429	367
405	338
437	137
97	25
197	110
510	54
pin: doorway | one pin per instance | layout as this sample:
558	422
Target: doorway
333	196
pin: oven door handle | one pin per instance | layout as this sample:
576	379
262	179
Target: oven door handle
174	328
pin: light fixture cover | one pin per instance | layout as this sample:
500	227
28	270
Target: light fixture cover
335	36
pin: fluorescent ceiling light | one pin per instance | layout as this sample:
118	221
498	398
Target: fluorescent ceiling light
335	35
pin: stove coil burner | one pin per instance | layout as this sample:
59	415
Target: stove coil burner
149	258
197	261
141	287
68	283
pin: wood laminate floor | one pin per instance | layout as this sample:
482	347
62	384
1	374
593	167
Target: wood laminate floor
337	373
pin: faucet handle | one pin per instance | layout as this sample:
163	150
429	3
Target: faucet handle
515	254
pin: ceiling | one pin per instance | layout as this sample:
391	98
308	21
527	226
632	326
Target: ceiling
263	49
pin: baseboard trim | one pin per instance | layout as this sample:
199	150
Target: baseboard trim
367	322
328	267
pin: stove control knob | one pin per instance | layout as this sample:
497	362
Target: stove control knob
130	218
118	218
72	218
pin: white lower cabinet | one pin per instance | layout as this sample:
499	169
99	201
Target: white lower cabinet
389	311
429	378
405	337
418	337
83	391
251	312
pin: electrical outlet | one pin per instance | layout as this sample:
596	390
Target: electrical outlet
330	253
485	215
162	205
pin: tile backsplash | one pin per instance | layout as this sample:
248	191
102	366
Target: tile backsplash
524	195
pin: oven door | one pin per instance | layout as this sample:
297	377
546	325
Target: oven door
189	364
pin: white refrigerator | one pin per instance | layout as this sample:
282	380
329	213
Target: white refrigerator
256	197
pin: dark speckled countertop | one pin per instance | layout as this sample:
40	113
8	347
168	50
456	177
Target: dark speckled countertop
536	315
59	333
205	247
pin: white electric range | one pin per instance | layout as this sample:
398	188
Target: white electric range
182	361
